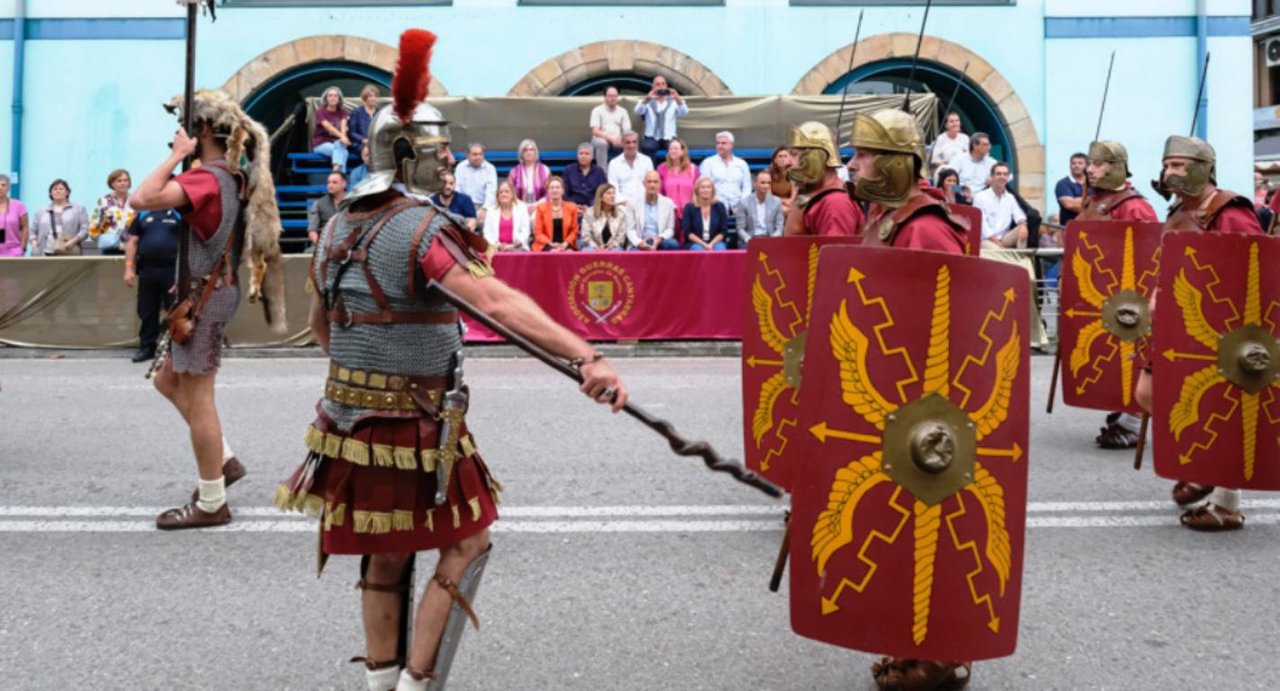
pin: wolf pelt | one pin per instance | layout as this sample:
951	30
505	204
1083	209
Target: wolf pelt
249	152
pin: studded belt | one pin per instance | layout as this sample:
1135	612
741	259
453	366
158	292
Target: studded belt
378	391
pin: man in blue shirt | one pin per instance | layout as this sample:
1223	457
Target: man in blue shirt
1070	190
455	201
149	260
582	179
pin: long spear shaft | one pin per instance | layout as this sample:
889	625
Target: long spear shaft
1105	90
1195	116
844	93
911	77
679	444
955	92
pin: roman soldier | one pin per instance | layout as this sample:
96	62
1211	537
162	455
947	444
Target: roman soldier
1111	197
822	205
889	160
392	468
231	211
1189	173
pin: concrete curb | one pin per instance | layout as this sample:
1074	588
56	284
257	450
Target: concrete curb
648	349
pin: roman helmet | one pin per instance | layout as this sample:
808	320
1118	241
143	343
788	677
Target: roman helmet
817	153
1200	171
1114	154
895	137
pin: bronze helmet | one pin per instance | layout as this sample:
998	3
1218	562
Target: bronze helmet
1114	154
817	152
1201	170
894	135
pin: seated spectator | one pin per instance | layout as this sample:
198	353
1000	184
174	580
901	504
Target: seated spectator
1005	227
950	143
678	175
582	179
359	120
660	108
705	222
112	215
360	172
606	224
952	192
730	174
626	172
330	135
324	208
760	215
653	221
555	221
478	179
14	230
974	167
608	123
506	224
61	226
456	202
779	184
529	177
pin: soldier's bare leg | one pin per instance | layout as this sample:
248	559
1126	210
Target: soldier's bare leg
433	611
382	585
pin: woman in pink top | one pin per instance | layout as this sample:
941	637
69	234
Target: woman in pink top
678	176
13	223
506	223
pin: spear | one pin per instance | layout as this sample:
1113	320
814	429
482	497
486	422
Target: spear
844	93
955	92
1195	116
1105	90
911	77
680	445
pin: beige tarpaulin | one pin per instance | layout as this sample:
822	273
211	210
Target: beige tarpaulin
82	302
560	123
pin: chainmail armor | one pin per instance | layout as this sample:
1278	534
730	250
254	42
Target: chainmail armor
203	255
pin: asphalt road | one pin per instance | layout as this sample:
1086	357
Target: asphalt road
616	566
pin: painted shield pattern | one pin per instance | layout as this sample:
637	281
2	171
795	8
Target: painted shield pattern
1216	360
1109	271
780	277
909	501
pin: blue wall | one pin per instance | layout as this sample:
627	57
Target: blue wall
93	105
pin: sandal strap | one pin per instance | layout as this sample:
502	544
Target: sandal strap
396	588
374	666
450	587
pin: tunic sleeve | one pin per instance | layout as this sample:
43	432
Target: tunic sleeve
203	211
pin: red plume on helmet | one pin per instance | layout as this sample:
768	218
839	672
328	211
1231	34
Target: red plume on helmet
413	74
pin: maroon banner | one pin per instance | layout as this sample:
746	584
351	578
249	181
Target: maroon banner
622	296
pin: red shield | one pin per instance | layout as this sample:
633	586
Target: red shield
1108	273
1216	361
973	240
780	279
909	507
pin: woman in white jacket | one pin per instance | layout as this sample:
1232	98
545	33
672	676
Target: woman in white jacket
506	223
606	224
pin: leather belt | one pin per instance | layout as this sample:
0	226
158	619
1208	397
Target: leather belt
379	380
373	399
380	391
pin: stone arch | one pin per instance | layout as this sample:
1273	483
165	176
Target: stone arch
1028	148
303	51
683	72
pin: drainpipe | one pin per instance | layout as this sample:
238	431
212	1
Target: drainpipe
1202	47
19	51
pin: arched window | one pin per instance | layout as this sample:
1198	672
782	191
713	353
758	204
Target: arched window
627	83
273	102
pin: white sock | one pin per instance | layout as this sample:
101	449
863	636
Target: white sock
227	453
1228	499
1130	422
408	683
382	679
213	494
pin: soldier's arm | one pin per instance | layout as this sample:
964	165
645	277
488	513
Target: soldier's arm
518	312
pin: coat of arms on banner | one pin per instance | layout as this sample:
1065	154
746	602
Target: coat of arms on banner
601	292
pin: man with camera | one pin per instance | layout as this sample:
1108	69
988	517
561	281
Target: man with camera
660	108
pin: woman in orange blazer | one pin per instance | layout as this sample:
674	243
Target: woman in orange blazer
555	221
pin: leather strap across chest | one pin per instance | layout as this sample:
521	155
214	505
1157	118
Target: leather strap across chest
1095	210
884	229
1203	218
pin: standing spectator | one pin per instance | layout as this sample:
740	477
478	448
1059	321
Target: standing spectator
61	226
13	223
626	172
112	215
608	124
529	177
582	179
506	225
705	222
456	202
950	143
952	192
1070	189
478	179
760	215
555	221
606	225
359	120
149	260
974	167
779	184
730	174
678	175
330	135
660	108
653	221
324	208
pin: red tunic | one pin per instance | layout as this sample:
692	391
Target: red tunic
1236	219
1132	209
833	214
929	232
203	212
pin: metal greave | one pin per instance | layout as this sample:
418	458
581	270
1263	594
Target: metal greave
457	622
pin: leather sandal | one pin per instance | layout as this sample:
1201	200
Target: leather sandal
1212	518
1113	436
1188	494
897	674
192	516
232	471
